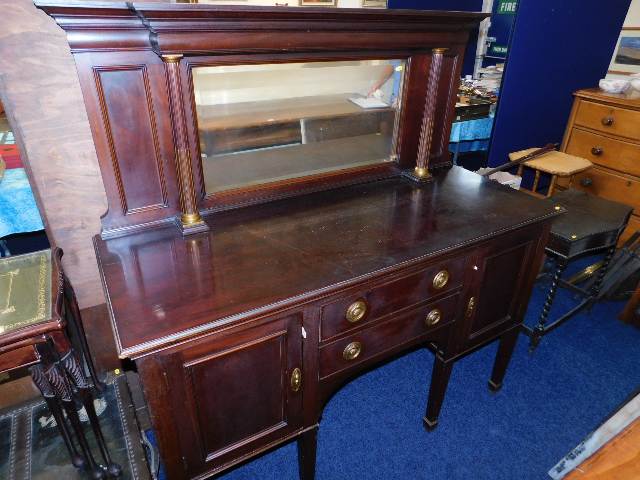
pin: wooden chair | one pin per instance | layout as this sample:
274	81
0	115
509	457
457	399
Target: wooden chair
556	164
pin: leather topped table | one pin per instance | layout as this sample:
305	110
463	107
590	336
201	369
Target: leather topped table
39	328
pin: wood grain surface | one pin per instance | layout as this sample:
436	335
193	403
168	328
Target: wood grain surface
41	93
619	459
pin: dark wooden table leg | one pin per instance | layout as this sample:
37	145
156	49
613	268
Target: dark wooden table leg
64	392
74	324
84	387
40	380
597	285
505	350
307	454
539	329
439	381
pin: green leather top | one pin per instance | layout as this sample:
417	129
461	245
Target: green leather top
25	290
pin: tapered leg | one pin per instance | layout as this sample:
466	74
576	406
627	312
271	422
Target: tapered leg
307	454
439	381
40	380
505	350
73	369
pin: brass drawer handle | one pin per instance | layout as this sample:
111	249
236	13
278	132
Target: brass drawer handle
356	311
433	317
471	305
607	121
352	351
597	151
441	279
296	379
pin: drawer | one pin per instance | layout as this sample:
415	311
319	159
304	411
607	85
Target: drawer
607	184
608	152
610	120
18	358
370	342
368	305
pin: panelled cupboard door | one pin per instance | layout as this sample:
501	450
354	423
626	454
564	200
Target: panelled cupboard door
233	392
503	269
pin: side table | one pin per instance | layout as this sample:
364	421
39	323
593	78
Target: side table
40	328
590	225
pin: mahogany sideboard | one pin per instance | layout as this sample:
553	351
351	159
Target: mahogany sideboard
332	239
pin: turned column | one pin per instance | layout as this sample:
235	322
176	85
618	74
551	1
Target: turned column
189	220
421	171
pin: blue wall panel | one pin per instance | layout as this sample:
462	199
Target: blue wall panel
557	47
460	5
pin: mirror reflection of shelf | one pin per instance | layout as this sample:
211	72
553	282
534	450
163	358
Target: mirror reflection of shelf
264	123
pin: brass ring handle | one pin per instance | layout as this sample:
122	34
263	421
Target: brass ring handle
441	279
356	311
607	121
352	351
597	151
296	379
433	317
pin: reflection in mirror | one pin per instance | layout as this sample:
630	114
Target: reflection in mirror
270	122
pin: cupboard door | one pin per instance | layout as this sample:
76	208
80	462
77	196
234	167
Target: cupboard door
505	266
233	394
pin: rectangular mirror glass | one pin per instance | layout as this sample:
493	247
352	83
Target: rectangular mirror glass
269	122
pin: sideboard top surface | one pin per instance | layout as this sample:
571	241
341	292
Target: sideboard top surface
163	288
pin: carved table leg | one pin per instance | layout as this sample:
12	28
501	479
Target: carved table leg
63	390
539	329
439	381
40	380
74	324
307	454
74	370
505	350
597	285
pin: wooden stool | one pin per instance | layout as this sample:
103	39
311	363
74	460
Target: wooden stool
556	164
40	328
590	225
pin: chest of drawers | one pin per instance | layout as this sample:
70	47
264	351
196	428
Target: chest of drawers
605	128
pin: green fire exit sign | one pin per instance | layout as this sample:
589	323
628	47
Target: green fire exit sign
507	7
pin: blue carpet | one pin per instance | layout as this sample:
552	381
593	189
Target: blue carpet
372	428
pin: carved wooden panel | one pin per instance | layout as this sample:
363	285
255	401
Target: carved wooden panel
503	274
115	88
445	105
253	368
126	100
